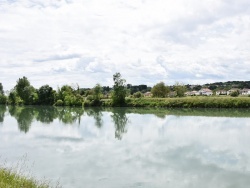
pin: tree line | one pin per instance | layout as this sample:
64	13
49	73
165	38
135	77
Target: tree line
24	93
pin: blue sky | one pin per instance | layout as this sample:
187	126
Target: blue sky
59	42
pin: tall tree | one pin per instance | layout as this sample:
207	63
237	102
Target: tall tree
26	92
46	95
97	92
119	93
180	89
1	89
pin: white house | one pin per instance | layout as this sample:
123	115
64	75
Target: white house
206	91
148	94
192	93
221	92
245	91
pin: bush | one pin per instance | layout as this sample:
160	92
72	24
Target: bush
59	103
235	94
138	95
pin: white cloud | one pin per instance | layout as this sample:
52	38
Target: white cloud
86	42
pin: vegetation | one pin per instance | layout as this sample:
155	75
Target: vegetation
160	90
13	177
180	89
119	90
191	102
235	94
25	94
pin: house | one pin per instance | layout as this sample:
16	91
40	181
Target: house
232	90
221	92
192	93
206	91
148	94
245	91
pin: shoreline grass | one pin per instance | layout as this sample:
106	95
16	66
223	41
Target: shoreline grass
11	179
19	176
190	102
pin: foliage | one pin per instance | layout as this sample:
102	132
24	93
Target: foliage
69	96
138	94
59	103
3	99
14	99
234	94
180	89
12	177
46	95
25	91
160	90
97	92
1	89
191	102
119	92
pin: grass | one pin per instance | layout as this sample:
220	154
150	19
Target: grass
191	102
13	178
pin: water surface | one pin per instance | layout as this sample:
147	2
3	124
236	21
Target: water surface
121	147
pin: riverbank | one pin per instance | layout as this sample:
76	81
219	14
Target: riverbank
185	102
191	102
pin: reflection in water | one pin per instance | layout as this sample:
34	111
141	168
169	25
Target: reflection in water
26	115
70	115
23	115
120	121
2	111
97	114
46	115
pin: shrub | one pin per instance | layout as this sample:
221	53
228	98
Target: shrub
235	94
59	103
138	95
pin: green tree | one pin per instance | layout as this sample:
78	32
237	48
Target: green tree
46	95
14	99
119	90
68	96
97	92
3	99
25	91
1	89
180	89
160	90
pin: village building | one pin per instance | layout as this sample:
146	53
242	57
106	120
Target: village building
221	92
245	91
206	91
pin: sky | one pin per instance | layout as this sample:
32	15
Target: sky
85	42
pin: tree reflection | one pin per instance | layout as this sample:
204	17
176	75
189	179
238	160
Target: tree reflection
97	115
70	115
46	114
2	112
120	121
23	115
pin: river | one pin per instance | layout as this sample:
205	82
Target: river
126	147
